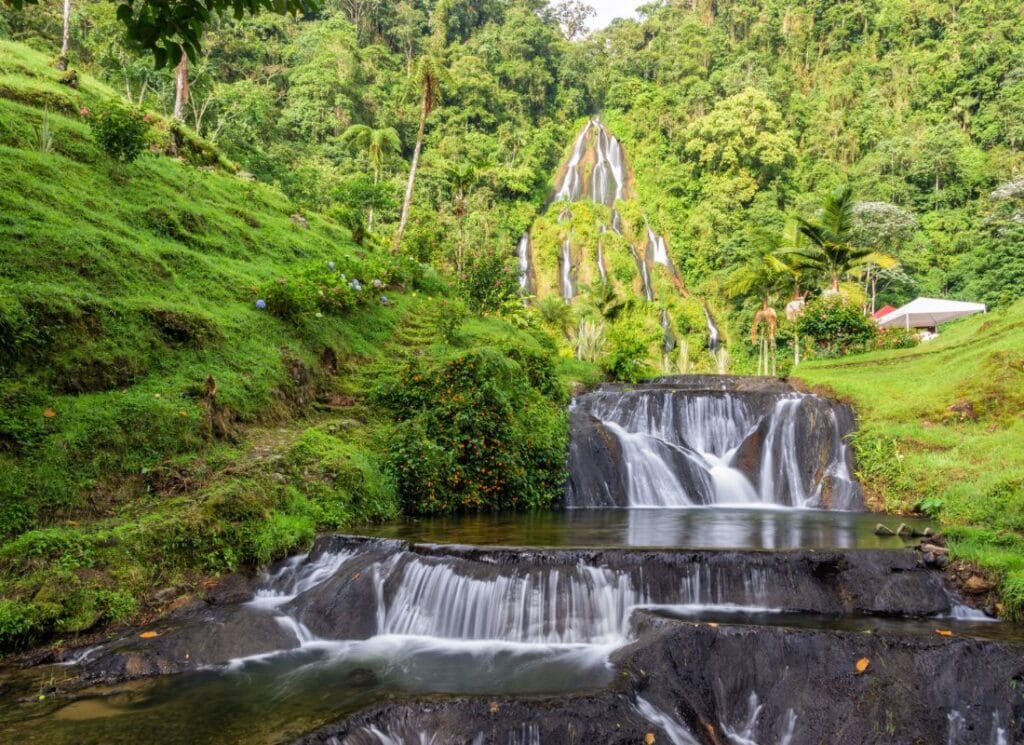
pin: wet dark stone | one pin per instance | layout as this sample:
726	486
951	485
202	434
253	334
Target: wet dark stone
723	683
194	638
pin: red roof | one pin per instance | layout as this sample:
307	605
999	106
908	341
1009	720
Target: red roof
882	312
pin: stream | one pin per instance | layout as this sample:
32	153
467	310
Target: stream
711	578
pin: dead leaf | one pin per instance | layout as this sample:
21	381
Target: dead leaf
148	634
713	625
649	738
49	413
494	707
862	664
943	632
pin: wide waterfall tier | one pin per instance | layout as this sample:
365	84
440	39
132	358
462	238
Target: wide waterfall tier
709	440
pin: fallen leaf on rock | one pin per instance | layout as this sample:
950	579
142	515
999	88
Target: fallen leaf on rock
713	625
148	634
862	664
494	707
649	738
943	632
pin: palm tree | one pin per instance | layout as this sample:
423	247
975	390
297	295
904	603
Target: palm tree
461	177
377	144
428	78
830	236
764	274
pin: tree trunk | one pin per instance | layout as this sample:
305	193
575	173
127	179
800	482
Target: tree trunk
369	216
65	39
407	204
181	88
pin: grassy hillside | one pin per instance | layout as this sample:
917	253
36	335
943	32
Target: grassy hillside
941	431
156	426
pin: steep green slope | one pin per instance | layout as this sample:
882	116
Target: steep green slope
156	426
941	430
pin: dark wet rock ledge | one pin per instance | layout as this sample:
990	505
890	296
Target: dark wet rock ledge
709	684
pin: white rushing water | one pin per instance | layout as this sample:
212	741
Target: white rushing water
523	253
682	448
459	601
565	265
572	183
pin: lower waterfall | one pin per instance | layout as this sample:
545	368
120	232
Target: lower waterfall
687	441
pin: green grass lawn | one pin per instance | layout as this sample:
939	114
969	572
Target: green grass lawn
942	430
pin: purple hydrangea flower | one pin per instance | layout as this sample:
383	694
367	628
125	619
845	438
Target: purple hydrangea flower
384	300
261	304
377	284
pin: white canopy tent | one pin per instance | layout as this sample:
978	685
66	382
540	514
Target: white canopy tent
928	312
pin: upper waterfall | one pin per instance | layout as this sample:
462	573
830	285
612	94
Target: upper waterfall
689	441
596	170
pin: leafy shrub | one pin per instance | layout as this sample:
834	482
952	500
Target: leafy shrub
488	281
16	621
475	434
836	325
628	349
894	339
120	131
450	317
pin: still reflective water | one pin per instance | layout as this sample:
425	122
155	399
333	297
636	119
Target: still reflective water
280	697
739	528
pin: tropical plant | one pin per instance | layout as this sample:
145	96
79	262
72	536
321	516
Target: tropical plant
831	249
120	131
764	274
461	178
377	145
601	300
428	75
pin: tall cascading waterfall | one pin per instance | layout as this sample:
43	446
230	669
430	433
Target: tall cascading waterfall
565	270
689	441
602	270
714	337
524	251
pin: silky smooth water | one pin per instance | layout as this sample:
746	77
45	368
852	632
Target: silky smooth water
735	528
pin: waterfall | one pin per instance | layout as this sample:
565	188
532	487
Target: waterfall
714	338
407	598
523	250
565	265
657	249
572	183
645	275
601	269
680	444
609	177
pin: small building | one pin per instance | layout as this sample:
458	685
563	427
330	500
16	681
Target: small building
926	313
882	312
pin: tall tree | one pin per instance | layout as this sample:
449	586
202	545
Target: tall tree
181	87
377	144
428	78
65	37
763	274
830	236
